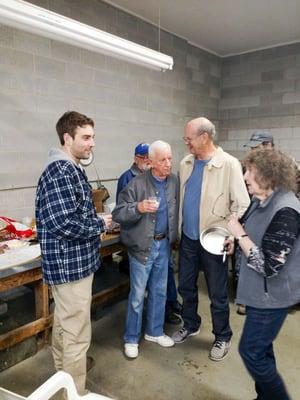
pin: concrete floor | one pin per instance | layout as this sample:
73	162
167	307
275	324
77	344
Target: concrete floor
180	373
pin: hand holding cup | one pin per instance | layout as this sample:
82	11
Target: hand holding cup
149	205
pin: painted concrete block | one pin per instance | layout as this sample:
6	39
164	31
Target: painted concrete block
250	101
272	76
284	86
49	68
30	43
79	73
289	98
292	73
17	59
6	36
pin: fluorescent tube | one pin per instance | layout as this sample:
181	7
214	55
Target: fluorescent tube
23	15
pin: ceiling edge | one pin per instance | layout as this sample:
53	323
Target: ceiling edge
111	2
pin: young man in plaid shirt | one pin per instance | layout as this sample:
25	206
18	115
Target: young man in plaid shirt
69	231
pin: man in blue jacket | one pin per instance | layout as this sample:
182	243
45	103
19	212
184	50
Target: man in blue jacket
69	231
140	165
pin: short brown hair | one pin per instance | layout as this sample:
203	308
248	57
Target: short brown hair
275	170
68	123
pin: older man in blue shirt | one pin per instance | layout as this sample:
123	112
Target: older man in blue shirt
147	212
140	165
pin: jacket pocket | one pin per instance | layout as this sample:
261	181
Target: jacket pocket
220	207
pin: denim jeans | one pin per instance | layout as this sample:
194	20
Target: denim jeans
192	258
152	276
172	301
256	349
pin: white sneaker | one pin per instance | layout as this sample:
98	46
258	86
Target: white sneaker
164	340
131	350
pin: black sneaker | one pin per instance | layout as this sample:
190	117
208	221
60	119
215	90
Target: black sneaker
183	333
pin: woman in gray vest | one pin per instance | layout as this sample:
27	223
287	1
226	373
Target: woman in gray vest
269	254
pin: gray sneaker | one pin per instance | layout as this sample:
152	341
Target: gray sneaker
183	333
219	350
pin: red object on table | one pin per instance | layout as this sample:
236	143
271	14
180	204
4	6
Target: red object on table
16	228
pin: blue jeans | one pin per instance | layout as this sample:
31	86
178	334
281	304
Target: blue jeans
152	276
171	287
256	349
192	257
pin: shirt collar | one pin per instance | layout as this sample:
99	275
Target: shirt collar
216	161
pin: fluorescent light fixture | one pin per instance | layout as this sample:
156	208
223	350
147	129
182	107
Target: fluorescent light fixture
28	17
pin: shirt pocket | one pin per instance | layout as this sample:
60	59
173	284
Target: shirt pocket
84	197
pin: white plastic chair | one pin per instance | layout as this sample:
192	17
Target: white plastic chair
61	380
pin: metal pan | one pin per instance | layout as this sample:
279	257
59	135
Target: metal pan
212	239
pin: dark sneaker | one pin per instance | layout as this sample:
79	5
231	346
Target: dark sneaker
219	350
172	319
183	333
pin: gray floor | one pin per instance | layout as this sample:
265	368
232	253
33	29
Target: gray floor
182	372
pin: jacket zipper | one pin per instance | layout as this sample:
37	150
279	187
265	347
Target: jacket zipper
266	286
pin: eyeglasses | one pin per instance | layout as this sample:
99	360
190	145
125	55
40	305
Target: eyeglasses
142	157
188	140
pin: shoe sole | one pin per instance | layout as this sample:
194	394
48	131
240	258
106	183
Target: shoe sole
129	358
190	334
154	341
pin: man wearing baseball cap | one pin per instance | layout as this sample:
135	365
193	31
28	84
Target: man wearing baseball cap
262	139
140	165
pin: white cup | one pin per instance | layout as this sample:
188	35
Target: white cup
155	200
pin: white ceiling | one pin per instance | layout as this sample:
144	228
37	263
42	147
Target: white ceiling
223	27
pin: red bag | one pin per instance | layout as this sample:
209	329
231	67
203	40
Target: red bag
16	229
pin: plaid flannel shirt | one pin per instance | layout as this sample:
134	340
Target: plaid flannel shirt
68	227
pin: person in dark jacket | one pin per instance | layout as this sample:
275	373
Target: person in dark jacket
269	278
140	165
68	230
147	213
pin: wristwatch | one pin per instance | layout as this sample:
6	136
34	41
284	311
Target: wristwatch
238	238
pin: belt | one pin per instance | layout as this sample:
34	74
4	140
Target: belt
159	236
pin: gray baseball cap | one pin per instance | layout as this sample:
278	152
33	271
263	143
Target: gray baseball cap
258	138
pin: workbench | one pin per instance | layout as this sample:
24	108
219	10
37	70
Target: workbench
31	274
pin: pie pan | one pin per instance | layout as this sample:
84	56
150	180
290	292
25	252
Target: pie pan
212	239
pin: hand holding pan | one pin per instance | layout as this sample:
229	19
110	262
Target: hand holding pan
212	240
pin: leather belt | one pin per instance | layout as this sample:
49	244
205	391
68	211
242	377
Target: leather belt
159	236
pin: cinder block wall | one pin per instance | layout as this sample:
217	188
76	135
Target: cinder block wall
261	90
41	78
